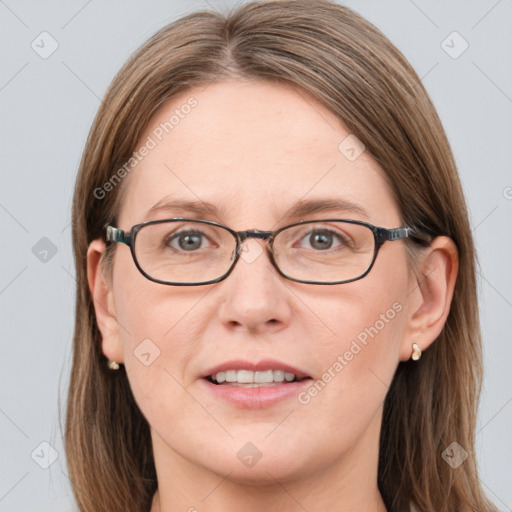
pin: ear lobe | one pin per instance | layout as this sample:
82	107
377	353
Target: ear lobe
103	302
431	296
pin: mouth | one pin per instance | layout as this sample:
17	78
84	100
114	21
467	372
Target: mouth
255	385
253	379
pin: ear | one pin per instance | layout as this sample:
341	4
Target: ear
431	295
101	292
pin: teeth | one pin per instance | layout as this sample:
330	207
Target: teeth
245	377
231	376
250	377
262	377
278	375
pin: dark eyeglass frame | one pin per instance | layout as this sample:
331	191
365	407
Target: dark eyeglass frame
381	235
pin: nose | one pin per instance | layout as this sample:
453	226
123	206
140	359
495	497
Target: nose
254	296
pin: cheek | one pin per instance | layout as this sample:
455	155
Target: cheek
158	326
357	360
149	311
158	344
358	356
379	315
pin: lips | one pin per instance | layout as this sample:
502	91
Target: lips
243	394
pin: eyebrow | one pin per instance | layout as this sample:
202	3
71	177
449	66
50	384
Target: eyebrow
199	208
305	207
300	208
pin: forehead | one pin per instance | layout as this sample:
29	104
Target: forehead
252	150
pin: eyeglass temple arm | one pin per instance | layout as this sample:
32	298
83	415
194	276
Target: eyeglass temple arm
118	235
384	234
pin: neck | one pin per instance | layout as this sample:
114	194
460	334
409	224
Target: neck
284	497
349	485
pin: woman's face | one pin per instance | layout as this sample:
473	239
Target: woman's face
253	151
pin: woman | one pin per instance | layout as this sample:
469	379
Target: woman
276	299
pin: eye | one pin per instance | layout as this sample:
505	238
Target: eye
187	240
323	239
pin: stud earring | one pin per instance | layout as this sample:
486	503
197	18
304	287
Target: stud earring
113	365
416	352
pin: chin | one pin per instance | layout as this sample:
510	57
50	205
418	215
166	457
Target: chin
263	473
261	463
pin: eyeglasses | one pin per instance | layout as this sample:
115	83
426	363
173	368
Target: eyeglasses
185	252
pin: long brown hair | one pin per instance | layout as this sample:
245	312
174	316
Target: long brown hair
353	70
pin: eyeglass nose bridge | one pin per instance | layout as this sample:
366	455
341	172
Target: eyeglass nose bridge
254	233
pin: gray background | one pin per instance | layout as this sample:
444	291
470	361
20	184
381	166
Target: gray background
47	106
